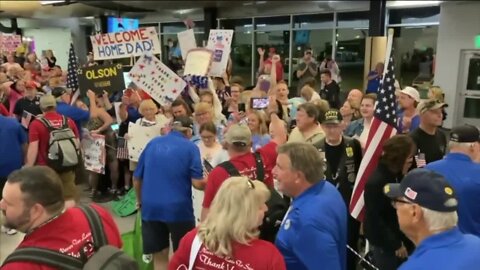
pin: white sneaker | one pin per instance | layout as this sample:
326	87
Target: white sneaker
8	231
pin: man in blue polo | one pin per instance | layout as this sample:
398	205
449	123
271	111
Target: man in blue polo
167	169
463	174
313	234
78	115
426	207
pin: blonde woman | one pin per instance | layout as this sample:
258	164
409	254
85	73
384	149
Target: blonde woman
229	234
257	123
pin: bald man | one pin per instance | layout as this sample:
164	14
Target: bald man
355	96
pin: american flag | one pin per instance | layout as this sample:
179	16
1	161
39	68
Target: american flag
72	75
122	149
382	128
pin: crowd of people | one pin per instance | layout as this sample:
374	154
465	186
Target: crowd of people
240	161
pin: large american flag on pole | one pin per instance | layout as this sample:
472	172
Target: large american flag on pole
72	73
383	127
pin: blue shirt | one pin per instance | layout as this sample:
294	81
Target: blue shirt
133	114
76	114
260	140
313	234
166	168
372	85
464	176
12	137
413	125
448	250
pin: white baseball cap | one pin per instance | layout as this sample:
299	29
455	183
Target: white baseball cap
412	92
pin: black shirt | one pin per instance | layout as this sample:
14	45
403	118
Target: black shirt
333	155
331	93
433	146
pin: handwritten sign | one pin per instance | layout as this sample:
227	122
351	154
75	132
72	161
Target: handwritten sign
139	137
125	44
100	78
198	62
219	41
9	43
93	146
187	42
155	78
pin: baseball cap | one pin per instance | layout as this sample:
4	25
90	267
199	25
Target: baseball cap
47	101
332	116
182	123
239	135
425	188
412	92
58	92
431	104
465	134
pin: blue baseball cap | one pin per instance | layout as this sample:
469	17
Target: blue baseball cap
425	188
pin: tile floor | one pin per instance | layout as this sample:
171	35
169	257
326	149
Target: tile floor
9	243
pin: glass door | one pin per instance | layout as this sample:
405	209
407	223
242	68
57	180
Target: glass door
470	88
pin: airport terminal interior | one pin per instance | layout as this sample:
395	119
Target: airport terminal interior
134	81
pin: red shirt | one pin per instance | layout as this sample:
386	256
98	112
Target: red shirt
3	110
257	255
246	165
67	234
278	67
39	132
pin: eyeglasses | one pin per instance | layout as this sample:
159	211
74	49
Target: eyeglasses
395	201
207	137
250	184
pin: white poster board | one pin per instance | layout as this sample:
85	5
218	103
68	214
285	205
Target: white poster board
116	105
9	43
198	62
138	138
125	44
219	41
187	42
93	146
155	78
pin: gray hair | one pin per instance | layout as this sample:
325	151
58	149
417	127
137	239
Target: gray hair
463	145
305	158
439	220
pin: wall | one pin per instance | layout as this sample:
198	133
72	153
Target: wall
56	35
459	24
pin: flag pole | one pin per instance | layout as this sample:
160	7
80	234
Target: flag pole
388	52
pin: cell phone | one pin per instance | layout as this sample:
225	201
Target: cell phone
115	127
208	166
241	107
259	103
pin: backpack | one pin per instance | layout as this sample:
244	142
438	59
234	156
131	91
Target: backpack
63	147
106	257
277	205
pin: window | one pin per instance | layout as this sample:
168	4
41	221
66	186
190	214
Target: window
273	32
352	30
415	43
241	53
313	32
169	32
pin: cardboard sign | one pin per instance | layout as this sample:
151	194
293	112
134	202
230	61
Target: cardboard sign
155	78
125	44
9	43
219	41
198	62
187	42
139	137
100	78
93	146
127	205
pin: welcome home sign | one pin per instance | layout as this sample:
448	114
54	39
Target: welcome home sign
125	44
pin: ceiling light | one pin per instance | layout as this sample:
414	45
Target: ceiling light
412	3
51	2
261	25
357	36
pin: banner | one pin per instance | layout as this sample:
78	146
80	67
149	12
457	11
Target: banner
100	78
187	42
155	78
138	138
125	44
219	41
9	43
93	146
197	62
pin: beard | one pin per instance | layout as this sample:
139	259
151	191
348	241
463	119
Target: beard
19	223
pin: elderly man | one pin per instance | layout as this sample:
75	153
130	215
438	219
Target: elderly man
463	174
426	209
313	234
355	96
